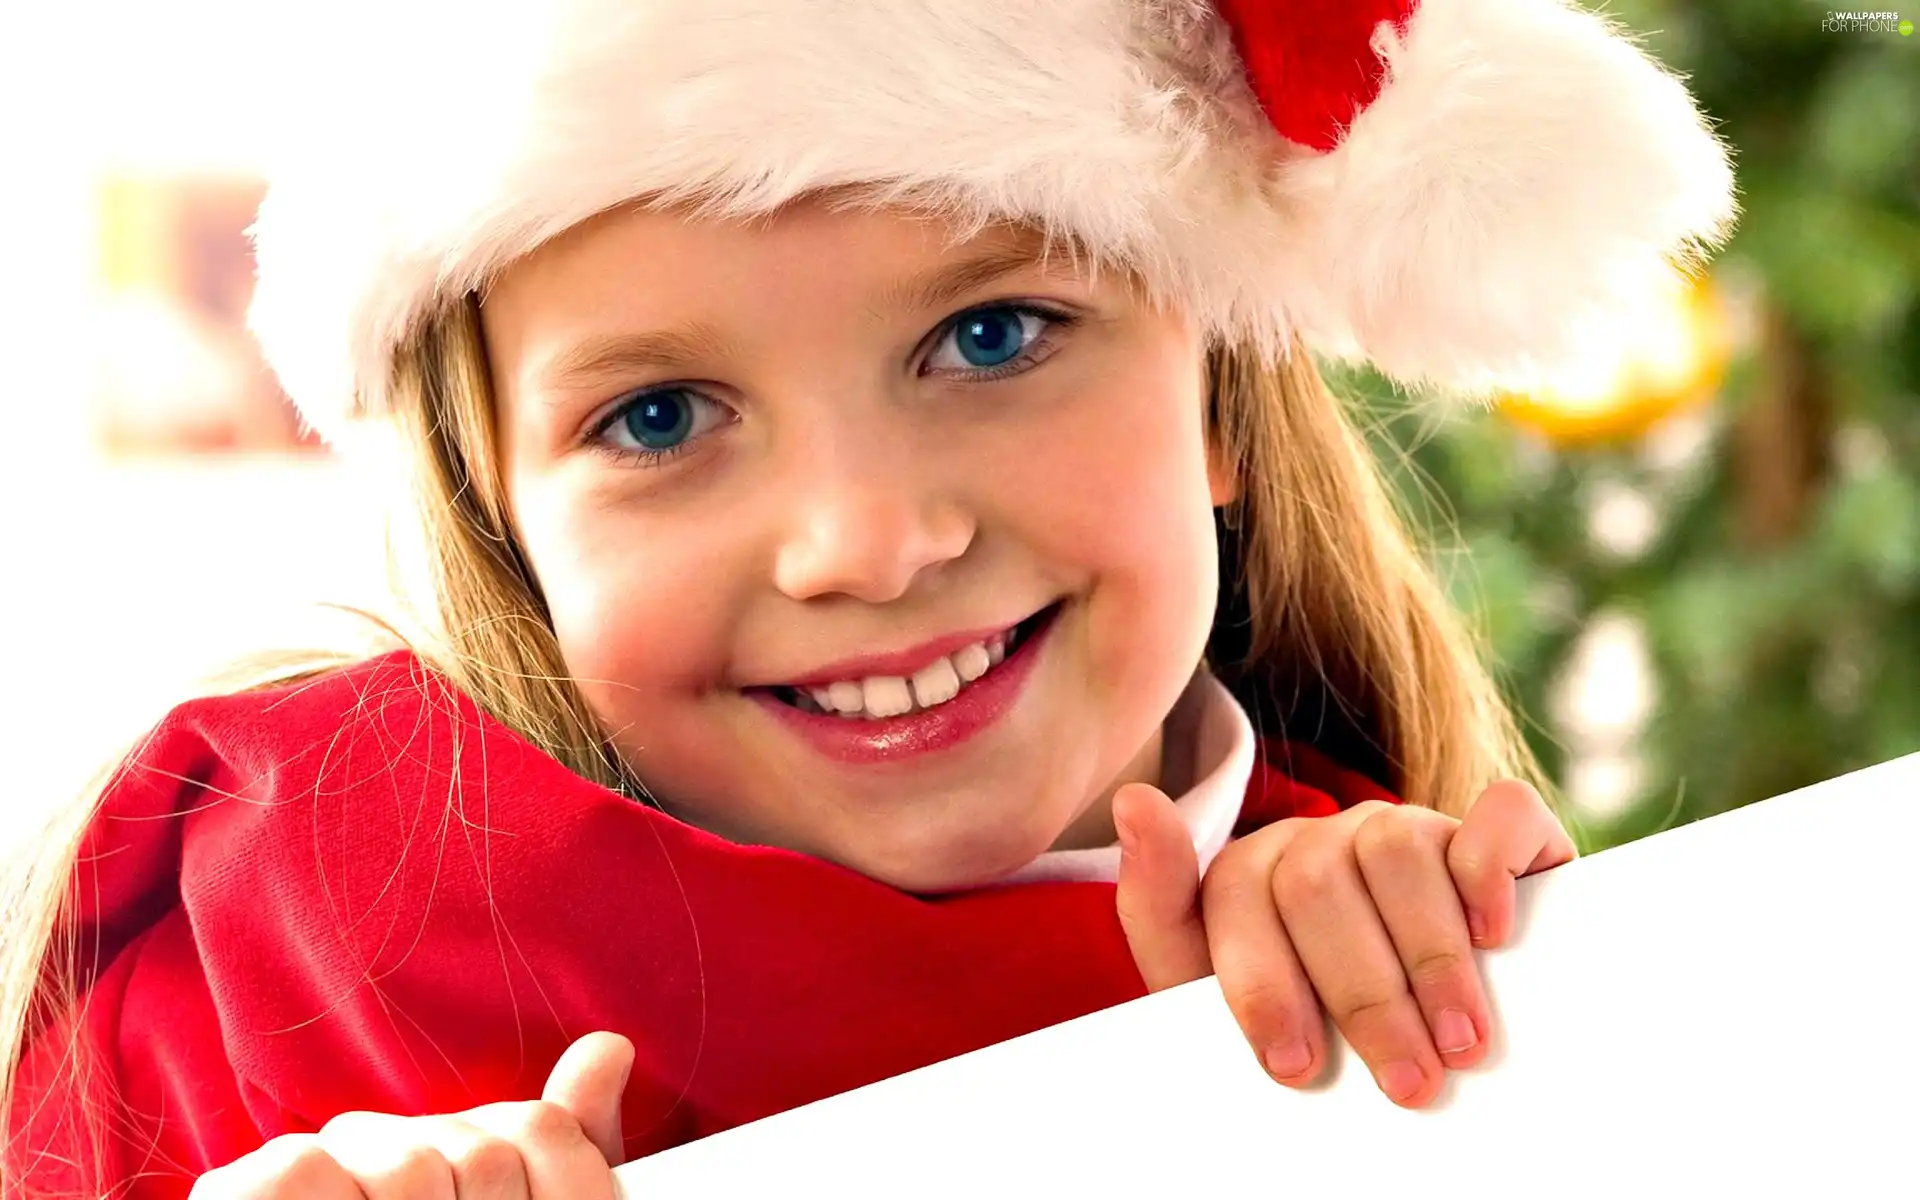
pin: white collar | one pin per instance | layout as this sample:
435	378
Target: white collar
1222	746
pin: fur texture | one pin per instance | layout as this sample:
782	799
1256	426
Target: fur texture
1523	173
1524	183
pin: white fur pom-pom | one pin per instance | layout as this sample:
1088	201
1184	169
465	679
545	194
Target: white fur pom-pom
1526	179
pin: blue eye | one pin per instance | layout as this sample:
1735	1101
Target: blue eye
659	423
990	338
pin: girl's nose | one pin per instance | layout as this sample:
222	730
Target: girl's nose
867	531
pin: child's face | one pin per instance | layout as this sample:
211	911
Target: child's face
840	470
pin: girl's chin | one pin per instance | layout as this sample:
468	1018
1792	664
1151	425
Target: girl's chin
936	869
909	853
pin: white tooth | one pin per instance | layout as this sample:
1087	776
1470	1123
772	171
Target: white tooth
972	662
936	683
821	697
887	696
845	696
996	651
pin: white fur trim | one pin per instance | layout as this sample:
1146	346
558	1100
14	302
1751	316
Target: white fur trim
1516	177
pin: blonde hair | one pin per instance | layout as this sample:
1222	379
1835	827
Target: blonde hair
1331	629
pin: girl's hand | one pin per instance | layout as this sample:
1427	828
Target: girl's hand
562	1146
1371	916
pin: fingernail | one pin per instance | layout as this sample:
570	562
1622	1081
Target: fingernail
1453	1032
1476	926
1399	1080
1129	844
1289	1060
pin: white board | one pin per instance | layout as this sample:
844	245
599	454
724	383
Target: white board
1728	1008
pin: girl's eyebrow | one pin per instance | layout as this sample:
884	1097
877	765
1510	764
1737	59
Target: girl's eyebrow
945	284
615	354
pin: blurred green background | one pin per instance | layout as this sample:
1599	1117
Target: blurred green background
1705	607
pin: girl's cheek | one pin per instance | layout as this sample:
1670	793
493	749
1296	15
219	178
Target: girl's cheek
637	617
1123	509
1124	471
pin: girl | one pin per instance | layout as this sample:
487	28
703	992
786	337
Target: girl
870	464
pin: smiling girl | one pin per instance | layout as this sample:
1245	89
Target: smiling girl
900	580
887	552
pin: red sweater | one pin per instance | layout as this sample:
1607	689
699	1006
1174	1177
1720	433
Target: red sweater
362	893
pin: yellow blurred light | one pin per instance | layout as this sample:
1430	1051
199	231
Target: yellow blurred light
1671	355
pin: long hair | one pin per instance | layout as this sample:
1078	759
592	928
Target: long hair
1331	627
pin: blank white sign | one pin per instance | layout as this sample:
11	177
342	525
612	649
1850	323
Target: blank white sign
1729	1008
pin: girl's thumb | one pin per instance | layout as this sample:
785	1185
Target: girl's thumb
588	1082
1159	892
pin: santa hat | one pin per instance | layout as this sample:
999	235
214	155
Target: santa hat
1464	193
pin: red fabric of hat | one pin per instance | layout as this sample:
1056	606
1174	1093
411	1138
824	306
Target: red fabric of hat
1312	65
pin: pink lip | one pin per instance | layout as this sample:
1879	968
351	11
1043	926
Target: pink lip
942	727
902	664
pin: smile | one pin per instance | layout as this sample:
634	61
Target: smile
876	697
871	717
